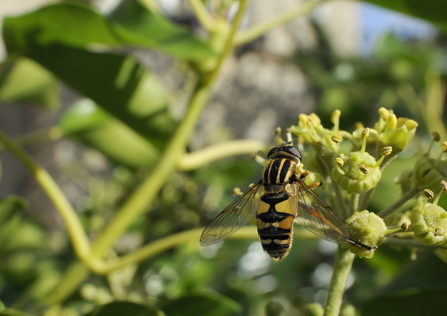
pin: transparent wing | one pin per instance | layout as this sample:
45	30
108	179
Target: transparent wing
232	218
316	215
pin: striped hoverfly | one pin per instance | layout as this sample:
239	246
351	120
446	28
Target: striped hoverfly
278	198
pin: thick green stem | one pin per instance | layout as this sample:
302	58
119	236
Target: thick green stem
75	230
342	268
406	197
143	196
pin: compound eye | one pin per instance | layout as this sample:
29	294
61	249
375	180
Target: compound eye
294	151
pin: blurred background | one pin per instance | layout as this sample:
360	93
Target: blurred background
351	56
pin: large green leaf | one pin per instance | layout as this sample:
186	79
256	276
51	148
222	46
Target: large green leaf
118	83
430	10
10	207
210	304
139	26
118	142
80	26
124	309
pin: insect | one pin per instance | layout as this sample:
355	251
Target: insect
278	198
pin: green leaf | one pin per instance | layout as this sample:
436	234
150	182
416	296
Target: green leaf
24	79
209	304
62	23
124	309
93	126
80	26
117	83
430	10
139	26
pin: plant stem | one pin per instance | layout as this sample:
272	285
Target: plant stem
207	155
342	268
75	230
406	197
405	242
202	15
258	30
353	205
143	196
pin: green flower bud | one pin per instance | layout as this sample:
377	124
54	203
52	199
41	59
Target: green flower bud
428	173
368	229
428	222
393	131
313	309
359	172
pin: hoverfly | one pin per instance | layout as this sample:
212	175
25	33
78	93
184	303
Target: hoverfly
278	198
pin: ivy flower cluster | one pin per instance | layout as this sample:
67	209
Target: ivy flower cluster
352	177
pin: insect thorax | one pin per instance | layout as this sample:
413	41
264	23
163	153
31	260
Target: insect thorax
278	171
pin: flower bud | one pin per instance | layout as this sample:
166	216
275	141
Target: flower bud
368	229
427	222
351	175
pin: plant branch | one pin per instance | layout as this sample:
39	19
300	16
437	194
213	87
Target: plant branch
207	155
75	230
258	30
354	203
342	268
202	15
406	197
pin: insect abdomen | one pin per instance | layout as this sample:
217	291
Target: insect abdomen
275	227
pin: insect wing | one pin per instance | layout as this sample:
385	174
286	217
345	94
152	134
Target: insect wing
232	218
316	215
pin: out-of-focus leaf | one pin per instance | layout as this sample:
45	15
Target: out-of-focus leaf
139	26
124	309
80	26
210	304
119	84
24	79
430	10
11	206
62	23
118	142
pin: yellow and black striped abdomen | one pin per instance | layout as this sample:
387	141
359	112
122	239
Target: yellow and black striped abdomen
275	224
278	171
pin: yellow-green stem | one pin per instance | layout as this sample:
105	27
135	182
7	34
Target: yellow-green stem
75	230
202	15
140	200
406	197
258	30
207	155
342	268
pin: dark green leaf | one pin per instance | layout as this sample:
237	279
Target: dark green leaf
118	142
62	23
210	304
139	26
27	80
430	10
119	84
124	309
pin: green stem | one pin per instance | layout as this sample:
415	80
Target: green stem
260	29
406	197
75	230
342	268
143	196
202	15
205	156
405	242
353	205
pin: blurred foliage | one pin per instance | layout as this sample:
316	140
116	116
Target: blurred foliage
125	117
